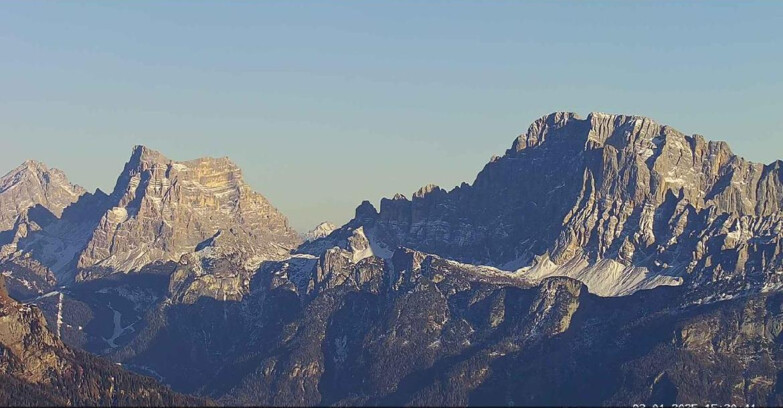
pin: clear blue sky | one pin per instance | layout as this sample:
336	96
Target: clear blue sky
325	104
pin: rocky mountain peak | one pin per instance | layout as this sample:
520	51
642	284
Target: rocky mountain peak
366	211
35	171
143	157
598	129
540	128
33	183
147	166
148	173
617	193
144	154
428	189
162	209
32	165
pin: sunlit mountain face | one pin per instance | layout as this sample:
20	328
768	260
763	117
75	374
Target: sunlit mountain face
610	256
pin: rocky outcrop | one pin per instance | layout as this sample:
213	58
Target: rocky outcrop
662	206
298	336
481	295
30	350
162	209
32	184
159	211
47	246
416	329
38	250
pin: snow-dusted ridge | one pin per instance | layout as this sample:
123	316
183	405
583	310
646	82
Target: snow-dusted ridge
607	277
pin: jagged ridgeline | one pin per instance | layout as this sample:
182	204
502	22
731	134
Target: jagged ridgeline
158	211
609	256
618	202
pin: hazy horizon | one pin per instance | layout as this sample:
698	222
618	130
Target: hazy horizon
324	105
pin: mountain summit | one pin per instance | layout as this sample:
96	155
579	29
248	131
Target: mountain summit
610	255
619	202
161	209
31	184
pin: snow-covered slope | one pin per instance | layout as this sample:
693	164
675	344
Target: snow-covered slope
321	230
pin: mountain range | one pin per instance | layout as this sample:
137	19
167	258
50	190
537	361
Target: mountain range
609	256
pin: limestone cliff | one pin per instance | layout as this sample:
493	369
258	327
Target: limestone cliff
31	184
162	209
619	202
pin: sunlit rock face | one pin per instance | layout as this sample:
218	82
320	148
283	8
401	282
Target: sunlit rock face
162	209
33	199
483	295
31	184
619	202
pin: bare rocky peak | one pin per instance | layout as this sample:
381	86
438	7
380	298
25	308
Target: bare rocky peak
428	189
538	130
161	209
599	128
664	159
31	184
619	202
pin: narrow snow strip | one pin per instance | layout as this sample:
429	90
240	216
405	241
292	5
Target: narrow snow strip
60	316
52	293
118	329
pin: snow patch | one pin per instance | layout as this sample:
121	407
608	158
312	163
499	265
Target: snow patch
60	316
676	181
321	230
118	215
118	329
607	277
646	154
365	245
